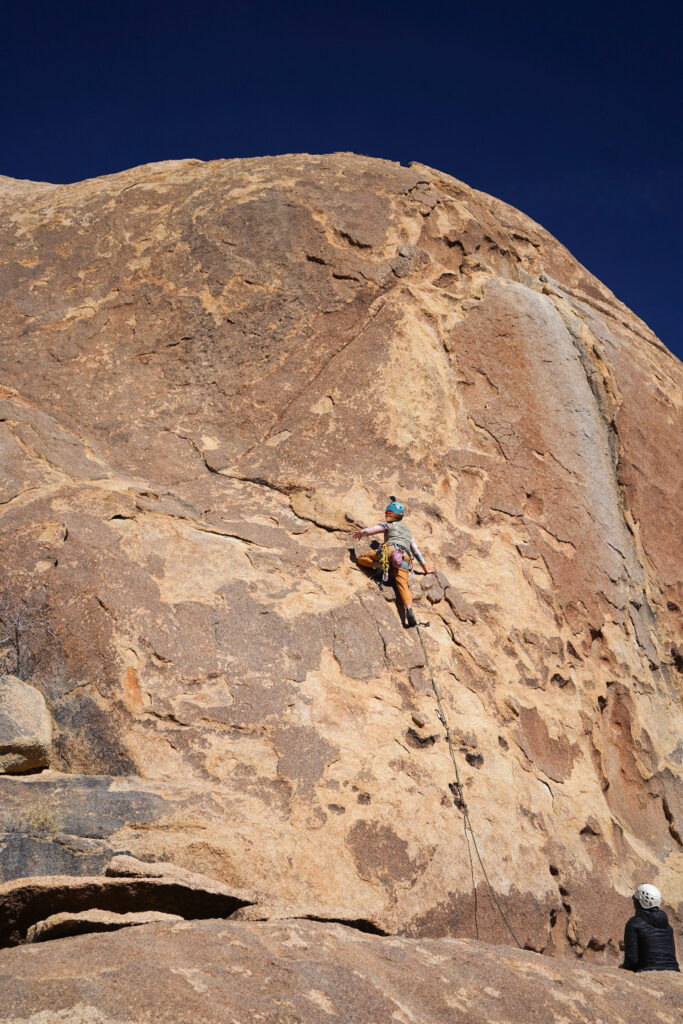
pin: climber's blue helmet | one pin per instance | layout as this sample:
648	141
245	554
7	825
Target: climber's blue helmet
396	507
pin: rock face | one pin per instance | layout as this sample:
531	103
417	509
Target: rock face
216	971
210	372
25	727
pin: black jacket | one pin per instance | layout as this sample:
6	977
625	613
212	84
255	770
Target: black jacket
649	942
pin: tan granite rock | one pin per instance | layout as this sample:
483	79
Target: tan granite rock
125	866
59	926
27	902
210	373
310	973
25	727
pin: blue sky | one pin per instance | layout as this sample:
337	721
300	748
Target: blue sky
572	113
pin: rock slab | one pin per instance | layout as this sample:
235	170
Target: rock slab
215	972
59	926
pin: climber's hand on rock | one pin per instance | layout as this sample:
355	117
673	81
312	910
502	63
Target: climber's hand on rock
356	534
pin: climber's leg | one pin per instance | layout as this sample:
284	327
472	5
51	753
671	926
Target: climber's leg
369	560
401	578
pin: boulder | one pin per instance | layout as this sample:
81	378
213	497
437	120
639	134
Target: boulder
25	727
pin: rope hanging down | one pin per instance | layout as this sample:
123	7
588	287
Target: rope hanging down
467	823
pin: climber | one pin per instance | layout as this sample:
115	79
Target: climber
648	936
395	555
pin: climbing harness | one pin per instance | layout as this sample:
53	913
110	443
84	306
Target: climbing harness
462	805
392	556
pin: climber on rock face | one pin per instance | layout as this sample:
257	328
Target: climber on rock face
395	555
648	936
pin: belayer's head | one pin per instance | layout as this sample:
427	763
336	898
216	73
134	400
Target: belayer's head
647	896
395	510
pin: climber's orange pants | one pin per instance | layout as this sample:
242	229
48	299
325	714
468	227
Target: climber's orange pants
400	577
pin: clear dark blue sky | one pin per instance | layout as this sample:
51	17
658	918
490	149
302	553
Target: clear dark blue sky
570	111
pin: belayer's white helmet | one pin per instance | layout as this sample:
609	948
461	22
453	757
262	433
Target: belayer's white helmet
648	896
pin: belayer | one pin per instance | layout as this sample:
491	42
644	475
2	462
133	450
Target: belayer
648	936
394	558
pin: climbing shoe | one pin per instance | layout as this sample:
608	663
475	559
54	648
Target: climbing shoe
410	617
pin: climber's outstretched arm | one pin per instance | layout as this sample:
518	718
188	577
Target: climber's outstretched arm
369	530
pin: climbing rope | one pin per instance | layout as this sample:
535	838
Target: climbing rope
461	803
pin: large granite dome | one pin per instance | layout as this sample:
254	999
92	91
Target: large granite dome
209	373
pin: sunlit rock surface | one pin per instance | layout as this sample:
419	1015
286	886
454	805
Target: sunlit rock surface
25	727
209	373
312	973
